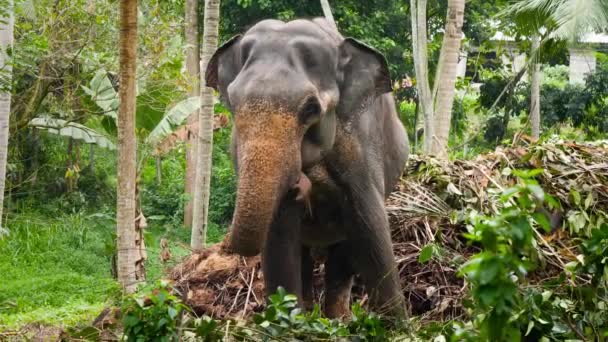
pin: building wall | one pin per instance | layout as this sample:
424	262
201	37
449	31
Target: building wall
582	62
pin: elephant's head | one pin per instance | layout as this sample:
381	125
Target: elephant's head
287	85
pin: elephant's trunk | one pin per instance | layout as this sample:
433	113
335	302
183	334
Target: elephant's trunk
268	166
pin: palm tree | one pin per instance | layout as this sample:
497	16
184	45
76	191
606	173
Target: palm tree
205	130
193	70
418	10
445	82
436	107
535	76
6	42
327	13
560	19
127	145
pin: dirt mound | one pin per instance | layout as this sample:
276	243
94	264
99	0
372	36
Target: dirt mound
426	212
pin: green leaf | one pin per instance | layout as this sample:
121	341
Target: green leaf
172	312
543	221
589	200
530	326
109	125
537	191
426	253
290	298
576	196
488	271
526	174
103	93
140	301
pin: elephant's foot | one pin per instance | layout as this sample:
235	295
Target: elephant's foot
337	301
339	277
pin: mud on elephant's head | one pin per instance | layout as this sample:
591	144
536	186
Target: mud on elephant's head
287	85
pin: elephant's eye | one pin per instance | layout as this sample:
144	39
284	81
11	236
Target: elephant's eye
310	110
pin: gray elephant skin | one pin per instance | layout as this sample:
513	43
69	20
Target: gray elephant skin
317	146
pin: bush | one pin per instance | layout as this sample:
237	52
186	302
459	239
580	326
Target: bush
152	315
506	256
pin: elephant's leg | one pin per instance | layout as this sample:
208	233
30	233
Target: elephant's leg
282	254
307	278
338	281
373	254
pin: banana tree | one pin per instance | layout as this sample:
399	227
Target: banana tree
105	97
152	125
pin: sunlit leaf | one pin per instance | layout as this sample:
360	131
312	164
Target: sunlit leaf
173	118
72	130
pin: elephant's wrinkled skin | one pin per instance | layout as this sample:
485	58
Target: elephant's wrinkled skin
317	146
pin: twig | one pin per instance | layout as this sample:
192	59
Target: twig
238	293
544	242
578	333
226	333
248	292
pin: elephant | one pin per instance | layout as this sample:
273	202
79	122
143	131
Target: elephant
317	147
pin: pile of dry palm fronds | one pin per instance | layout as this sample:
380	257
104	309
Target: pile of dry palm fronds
427	212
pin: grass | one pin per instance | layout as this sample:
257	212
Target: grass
56	270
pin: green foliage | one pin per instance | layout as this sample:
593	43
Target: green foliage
407	114
223	181
506	257
283	319
595	256
152	315
458	124
582	106
164	203
155	314
55	269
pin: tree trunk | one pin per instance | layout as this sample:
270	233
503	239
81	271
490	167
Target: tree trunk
535	88
327	13
445	80
6	42
419	45
127	144
205	130
193	58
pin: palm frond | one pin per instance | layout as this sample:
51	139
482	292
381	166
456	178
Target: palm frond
565	19
575	18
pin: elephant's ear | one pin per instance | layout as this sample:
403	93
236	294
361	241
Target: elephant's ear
223	66
365	72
